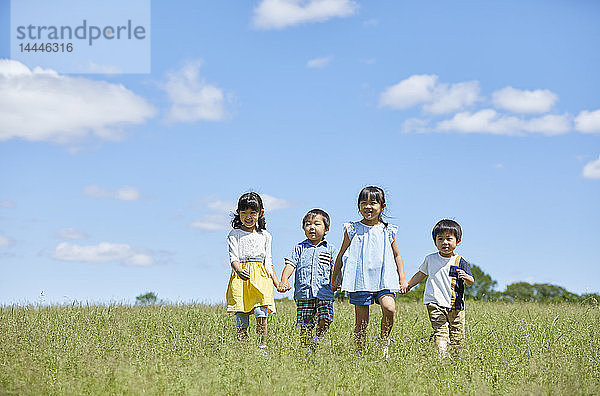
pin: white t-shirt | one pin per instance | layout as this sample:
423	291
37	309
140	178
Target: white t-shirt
439	288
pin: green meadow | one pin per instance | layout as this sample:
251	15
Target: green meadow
520	348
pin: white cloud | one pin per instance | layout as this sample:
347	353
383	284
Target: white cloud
212	222
591	170
588	121
490	121
319	63
5	241
126	193
42	105
7	204
449	98
222	206
523	101
278	14
192	98
407	93
437	98
273	203
71	233
104	252
415	125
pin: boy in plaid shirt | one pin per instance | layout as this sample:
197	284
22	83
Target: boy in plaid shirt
313	261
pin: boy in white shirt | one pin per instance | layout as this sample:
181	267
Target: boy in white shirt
444	290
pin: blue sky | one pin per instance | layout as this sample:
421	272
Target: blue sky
486	112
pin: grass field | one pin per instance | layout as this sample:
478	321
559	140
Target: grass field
521	348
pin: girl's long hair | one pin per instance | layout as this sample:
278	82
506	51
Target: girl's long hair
375	193
251	201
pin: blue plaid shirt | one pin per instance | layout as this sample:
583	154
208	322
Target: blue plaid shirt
313	265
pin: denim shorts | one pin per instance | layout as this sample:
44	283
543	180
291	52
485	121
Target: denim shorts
242	319
368	297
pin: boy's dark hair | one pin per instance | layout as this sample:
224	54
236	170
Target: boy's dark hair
313	212
373	192
251	201
447	225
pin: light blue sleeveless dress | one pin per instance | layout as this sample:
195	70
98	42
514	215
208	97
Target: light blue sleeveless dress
368	264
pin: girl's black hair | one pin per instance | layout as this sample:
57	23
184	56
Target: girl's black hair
251	201
373	192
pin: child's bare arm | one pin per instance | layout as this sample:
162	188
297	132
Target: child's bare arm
284	285
468	279
241	272
400	268
274	278
337	267
416	279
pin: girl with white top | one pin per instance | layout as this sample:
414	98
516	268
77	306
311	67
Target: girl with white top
371	266
250	288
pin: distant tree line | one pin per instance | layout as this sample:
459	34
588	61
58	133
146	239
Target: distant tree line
484	290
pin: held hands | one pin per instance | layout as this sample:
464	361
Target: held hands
404	288
335	282
284	286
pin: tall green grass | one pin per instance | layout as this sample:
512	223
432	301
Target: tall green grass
521	348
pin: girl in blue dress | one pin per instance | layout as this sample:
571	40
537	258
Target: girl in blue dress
371	266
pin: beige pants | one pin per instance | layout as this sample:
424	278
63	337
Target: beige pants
447	325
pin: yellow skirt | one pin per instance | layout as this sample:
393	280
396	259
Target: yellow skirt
244	296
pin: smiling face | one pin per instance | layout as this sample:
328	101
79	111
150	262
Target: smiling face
249	218
446	242
315	229
371	210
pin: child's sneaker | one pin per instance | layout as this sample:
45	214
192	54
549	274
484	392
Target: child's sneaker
384	347
262	350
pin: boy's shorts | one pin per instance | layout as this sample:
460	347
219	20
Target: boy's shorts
447	325
308	309
242	319
367	297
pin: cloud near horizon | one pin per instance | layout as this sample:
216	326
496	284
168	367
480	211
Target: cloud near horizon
42	105
104	252
279	14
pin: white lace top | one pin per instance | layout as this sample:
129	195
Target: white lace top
251	246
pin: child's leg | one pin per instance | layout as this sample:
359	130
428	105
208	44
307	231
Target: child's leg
388	310
322	327
305	319
439	323
261	325
325	313
361	322
305	336
242	321
456	321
